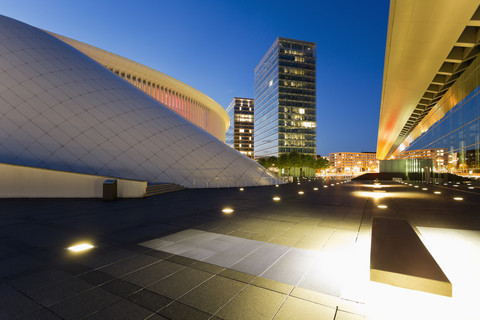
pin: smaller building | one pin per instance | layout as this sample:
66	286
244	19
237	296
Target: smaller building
353	162
240	133
442	159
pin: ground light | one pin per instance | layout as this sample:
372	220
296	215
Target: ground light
458	198
456	186
415	186
80	247
276	198
316	189
437	192
227	210
424	189
241	189
471	188
382	206
301	192
276	185
325	186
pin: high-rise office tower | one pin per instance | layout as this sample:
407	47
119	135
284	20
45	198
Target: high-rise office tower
240	133
285	99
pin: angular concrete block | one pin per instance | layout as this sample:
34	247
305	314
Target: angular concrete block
398	257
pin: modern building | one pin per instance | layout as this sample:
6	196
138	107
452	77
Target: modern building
67	116
285	99
353	162
431	82
184	100
443	160
241	130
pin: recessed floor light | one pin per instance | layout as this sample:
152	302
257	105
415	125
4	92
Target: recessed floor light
424	189
471	188
458	198
332	184
415	186
437	192
227	210
325	186
316	189
410	184
241	189
80	247
301	192
382	206
276	198
276	185
456	186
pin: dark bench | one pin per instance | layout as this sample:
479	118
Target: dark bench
398	257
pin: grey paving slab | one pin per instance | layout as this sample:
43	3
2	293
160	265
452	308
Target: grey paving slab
41	314
59	291
180	283
14	304
122	309
153	273
213	294
149	300
180	311
43	278
84	304
261	259
253	303
128	265
291	267
120	288
17	264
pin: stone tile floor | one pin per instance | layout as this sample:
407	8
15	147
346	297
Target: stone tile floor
177	256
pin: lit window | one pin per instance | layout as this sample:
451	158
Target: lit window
240	130
271	83
301	111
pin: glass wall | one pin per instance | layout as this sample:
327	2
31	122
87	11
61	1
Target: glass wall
285	98
452	128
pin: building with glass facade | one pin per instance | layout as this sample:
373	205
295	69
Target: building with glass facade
240	133
285	99
430	103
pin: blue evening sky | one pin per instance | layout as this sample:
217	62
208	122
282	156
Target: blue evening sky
215	45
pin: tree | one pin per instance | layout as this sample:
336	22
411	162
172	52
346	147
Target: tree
322	163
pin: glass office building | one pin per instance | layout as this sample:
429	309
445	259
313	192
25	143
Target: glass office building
240	133
436	114
285	99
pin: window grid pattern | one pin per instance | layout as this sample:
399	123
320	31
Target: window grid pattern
61	110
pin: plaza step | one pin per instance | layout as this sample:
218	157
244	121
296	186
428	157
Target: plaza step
156	189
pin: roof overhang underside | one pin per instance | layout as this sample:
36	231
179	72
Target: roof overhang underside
422	43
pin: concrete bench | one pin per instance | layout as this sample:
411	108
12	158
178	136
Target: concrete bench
398	257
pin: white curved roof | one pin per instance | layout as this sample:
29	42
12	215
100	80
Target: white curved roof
128	66
62	110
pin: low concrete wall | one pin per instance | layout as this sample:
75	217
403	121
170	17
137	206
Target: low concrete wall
28	182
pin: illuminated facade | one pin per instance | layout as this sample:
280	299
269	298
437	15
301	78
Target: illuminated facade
431	82
285	99
241	130
353	162
442	158
63	111
186	101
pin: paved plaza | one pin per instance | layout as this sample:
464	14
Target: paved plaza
178	256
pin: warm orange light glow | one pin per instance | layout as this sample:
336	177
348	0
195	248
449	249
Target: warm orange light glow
80	247
458	198
382	206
